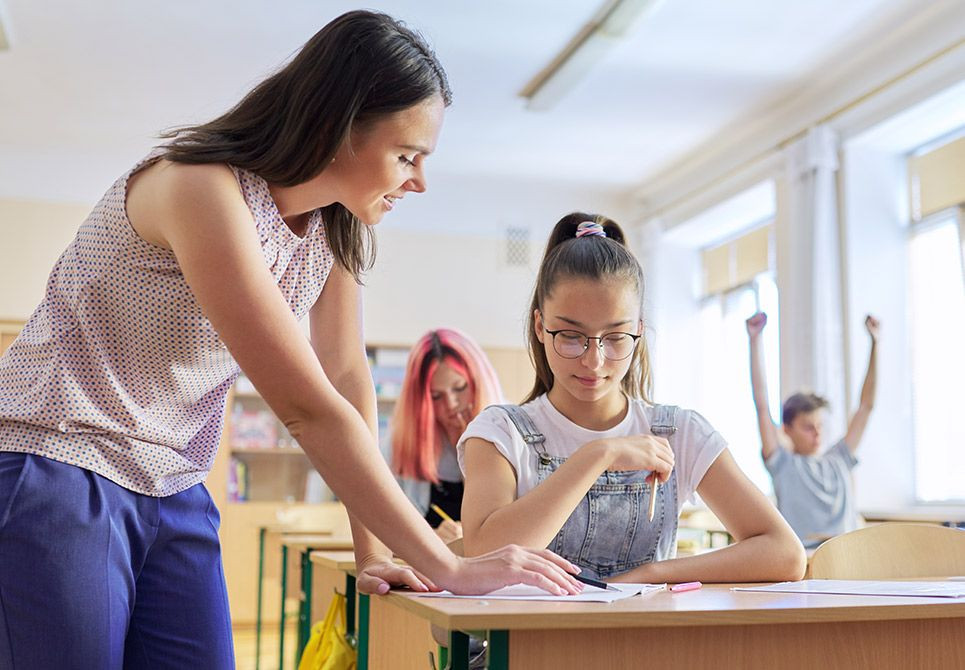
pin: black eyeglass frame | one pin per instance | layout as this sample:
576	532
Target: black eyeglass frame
586	342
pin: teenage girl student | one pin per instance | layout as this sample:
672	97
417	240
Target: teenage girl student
815	491
196	265
572	468
448	380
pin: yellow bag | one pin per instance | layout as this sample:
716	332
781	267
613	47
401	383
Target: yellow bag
328	648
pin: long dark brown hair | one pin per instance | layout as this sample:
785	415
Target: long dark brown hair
358	68
589	257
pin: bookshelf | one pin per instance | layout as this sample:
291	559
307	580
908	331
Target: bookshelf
387	363
266	464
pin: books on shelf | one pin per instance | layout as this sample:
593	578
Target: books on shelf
237	480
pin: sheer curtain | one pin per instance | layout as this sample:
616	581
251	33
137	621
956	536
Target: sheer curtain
725	384
937	330
809	274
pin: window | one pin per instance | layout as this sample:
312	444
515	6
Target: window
725	397
937	335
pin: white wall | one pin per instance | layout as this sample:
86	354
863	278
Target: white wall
442	257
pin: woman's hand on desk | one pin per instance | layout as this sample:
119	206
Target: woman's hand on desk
377	574
514	565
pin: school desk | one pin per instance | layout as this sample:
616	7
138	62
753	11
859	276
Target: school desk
303	544
943	515
263	533
335	571
712	627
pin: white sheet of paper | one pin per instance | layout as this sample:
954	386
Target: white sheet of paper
944	589
591	594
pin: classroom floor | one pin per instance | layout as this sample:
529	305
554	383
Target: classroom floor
245	648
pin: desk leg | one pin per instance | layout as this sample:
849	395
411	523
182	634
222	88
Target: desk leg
261	573
498	650
281	620
363	639
458	650
304	605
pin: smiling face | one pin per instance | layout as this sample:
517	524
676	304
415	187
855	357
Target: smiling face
384	160
593	308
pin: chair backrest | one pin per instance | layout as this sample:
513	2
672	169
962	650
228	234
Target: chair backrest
891	551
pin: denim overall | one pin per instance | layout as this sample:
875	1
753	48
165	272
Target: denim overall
608	533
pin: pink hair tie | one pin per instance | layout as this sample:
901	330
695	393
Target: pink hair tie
589	228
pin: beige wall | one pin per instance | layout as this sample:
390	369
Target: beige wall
32	236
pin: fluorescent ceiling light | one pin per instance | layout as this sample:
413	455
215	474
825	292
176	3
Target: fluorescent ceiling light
581	53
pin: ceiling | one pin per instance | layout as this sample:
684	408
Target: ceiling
86	86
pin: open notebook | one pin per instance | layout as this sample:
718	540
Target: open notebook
590	594
937	589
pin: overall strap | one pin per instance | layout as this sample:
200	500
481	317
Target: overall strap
663	421
527	429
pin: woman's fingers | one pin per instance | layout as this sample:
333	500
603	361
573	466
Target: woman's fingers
407	577
380	577
371	584
551	566
514	565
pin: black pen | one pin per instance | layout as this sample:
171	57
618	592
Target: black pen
594	582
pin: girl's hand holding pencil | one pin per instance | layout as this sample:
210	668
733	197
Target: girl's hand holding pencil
640	452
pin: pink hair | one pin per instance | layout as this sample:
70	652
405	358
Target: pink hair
416	436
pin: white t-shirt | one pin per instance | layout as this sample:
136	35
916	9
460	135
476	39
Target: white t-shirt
696	444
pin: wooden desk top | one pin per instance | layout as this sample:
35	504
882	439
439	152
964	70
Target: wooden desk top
920	513
279	528
301	541
336	560
714	604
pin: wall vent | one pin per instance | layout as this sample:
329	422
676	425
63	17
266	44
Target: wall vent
517	247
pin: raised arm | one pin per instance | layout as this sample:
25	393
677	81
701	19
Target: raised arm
198	212
769	438
492	515
766	548
868	389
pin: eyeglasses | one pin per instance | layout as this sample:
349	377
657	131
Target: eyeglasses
573	344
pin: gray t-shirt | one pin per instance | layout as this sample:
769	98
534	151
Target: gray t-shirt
815	493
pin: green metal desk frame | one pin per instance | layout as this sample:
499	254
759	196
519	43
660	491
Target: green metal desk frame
360	641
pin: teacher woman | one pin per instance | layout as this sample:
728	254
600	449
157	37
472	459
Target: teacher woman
196	265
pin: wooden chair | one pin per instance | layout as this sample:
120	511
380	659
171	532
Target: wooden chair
891	551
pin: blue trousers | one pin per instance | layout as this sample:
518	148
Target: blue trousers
94	576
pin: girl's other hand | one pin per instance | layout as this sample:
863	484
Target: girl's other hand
510	565
755	324
641	452
449	531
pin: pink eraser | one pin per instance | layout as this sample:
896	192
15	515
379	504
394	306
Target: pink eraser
686	586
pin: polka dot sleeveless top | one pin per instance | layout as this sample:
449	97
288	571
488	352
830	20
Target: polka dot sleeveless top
118	371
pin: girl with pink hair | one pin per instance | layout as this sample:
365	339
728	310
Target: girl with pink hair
448	381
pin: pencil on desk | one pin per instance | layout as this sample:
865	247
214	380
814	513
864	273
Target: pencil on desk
438	510
653	497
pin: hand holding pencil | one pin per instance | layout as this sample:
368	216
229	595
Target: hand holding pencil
641	452
449	529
